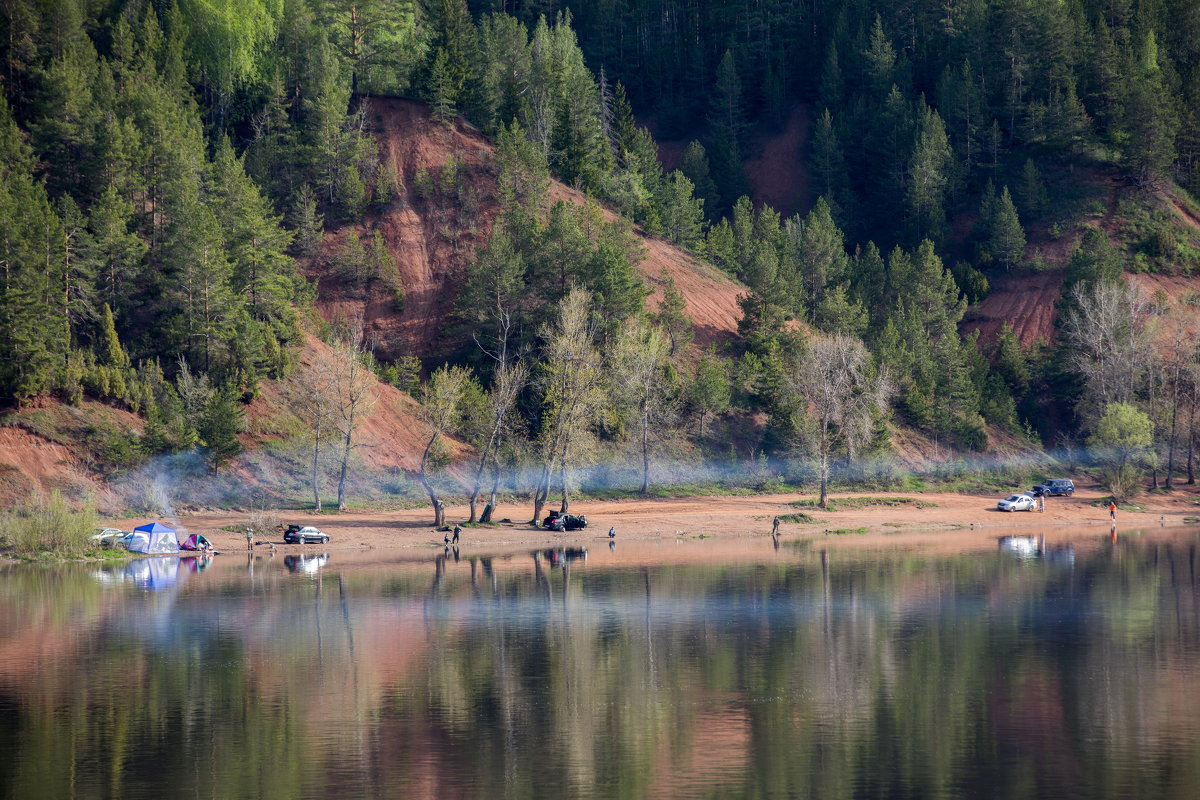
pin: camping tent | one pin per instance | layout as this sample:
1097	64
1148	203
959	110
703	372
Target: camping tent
154	539
196	542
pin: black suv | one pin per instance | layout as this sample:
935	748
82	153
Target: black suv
1055	488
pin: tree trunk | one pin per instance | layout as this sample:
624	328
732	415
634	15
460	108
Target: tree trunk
824	467
1174	414
491	506
439	510
541	493
645	456
316	486
1191	472
478	483
1154	433
345	467
566	493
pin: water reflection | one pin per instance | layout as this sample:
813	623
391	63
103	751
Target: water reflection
153	574
854	673
1027	548
305	563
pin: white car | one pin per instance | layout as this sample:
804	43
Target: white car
108	537
1017	502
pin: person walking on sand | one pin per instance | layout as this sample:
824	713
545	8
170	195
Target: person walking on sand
457	530
1112	510
775	527
1041	504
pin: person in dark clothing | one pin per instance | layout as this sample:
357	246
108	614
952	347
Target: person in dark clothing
457	530
775	527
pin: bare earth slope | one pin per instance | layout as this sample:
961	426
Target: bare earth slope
434	241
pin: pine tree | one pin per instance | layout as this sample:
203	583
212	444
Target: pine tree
443	91
1031	192
1006	237
832	86
880	59
829	169
726	113
34	344
683	214
929	171
218	428
256	242
694	164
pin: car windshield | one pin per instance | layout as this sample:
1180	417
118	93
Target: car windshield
1013	497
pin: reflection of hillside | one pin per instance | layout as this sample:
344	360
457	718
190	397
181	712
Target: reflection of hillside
828	674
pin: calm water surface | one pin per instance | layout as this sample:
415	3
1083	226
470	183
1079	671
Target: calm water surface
1018	670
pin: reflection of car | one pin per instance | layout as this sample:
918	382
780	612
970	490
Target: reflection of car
560	556
564	522
107	537
1016	502
305	563
304	535
1020	546
1055	488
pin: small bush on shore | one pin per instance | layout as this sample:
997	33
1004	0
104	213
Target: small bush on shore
47	525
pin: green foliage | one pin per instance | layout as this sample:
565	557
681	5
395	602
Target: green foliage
48	524
1121	442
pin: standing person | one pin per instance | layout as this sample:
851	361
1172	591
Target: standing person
775	527
457	531
1112	510
1041	503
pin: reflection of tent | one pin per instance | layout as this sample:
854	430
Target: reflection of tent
153	539
153	573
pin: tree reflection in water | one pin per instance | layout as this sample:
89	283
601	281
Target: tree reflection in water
831	674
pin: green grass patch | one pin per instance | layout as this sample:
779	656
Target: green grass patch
48	526
843	503
846	531
1192	519
799	517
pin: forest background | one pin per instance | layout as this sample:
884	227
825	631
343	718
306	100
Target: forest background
195	200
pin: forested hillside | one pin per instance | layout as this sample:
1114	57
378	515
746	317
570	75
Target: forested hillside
190	189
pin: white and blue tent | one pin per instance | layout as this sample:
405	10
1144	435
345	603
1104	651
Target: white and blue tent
154	540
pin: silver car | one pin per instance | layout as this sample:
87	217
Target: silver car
1017	502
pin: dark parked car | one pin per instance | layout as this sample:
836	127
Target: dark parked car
1055	488
564	522
307	534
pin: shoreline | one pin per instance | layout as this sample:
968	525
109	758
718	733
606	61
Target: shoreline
945	515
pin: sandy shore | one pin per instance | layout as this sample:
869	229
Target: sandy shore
950	520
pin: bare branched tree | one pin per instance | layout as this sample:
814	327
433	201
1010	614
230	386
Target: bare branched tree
1109	345
441	409
837	388
314	399
507	382
572	384
354	393
638	368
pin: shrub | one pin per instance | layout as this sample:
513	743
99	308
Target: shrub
48	525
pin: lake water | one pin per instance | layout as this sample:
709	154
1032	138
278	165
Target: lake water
694	669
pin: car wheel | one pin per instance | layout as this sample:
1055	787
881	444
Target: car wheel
325	540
